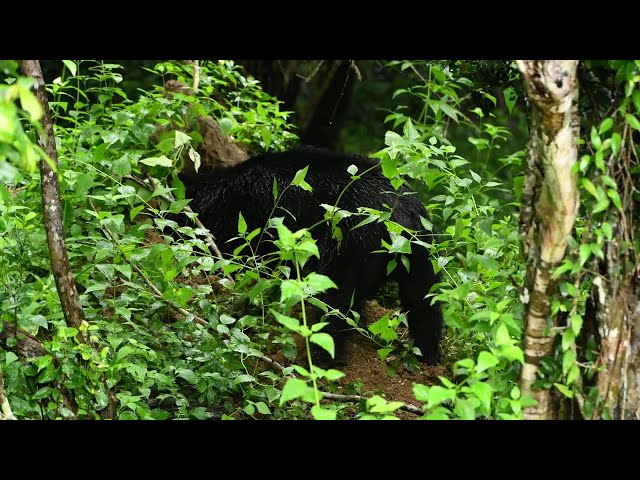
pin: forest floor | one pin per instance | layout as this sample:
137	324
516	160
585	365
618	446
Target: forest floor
377	377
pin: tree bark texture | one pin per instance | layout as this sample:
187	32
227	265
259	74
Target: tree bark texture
548	206
51	206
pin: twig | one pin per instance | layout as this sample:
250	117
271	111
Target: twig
354	66
313	74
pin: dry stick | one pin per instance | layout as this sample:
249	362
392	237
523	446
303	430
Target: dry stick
52	213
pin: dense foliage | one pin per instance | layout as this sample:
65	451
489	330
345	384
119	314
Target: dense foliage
178	333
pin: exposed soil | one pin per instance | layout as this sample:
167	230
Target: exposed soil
364	366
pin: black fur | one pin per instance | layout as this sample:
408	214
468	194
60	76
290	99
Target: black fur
219	195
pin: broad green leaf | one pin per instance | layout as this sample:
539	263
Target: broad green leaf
226	125
319	283
71	65
290	323
566	391
325	341
298	180
595	139
243	378
421	392
161	161
616	140
242	225
333	375
181	139
352	169
615	198
438	394
30	104
510	98
589	187
632	120
294	388
291	290
585	253
475	176
606	124
188	375
607	230
484	392
383	353
320	413
486	360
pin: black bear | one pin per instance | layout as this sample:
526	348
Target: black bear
219	195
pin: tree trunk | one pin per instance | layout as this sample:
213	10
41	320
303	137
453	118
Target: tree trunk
548	208
51	206
69	299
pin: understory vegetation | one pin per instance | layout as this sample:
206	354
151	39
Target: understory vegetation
176	332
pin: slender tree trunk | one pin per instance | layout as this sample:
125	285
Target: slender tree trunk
549	206
51	206
69	299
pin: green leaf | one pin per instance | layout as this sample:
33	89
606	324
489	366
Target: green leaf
486	360
294	388
616	140
352	170
274	188
383	353
262	408
71	65
484	393
606	125
290	323
325	341
320	413
30	104
421	392
291	290
188	375
465	409
589	187
42	393
510	98
226	125
585	253
636	100
319	283
242	225
400	245
162	161
615	198
10	357
438	394
333	374
298	180
181	139
595	139
576	323
243	378
568	359
607	230
566	391
633	121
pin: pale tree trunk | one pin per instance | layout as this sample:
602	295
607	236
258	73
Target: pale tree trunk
548	208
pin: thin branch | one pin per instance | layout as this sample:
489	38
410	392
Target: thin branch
313	74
